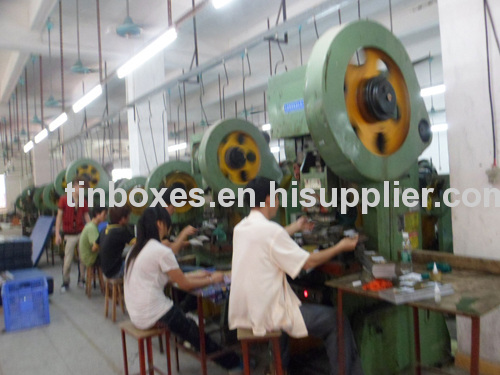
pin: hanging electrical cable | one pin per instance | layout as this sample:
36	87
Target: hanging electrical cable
245	76
151	130
202	93
492	111
390	14
300	45
164	124
138	122
315	27
282	61
224	89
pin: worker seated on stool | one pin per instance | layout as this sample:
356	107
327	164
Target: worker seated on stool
89	236
261	298
113	240
150	265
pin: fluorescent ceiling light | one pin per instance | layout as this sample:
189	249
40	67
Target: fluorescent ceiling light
28	146
61	119
275	149
41	136
147	53
180	146
433	90
119	173
266	127
87	98
220	3
439	128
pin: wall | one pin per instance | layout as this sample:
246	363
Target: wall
475	230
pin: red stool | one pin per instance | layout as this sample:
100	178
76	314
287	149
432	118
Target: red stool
141	336
246	337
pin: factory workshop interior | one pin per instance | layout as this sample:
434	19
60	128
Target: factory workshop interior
249	187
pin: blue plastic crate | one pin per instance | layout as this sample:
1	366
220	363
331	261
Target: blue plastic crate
25	303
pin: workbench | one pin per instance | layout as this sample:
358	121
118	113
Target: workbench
476	294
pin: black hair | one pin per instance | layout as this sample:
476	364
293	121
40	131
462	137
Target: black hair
261	187
117	213
97	210
147	230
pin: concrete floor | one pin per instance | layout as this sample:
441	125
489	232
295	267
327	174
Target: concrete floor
79	340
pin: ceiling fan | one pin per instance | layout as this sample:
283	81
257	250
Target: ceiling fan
128	28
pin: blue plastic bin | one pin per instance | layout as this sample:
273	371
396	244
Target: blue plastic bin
25	303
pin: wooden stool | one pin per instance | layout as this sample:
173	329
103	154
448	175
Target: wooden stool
113	286
141	335
246	336
93	272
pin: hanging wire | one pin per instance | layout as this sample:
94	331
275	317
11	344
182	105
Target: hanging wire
390	14
300	45
136	111
151	130
164	124
245	76
78	28
340	17
430	81
282	61
224	90
316	27
49	28
202	93
359	9
492	110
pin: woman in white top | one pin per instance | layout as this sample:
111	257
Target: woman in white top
150	265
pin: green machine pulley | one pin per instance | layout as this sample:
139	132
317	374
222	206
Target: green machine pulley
359	98
96	174
60	183
128	186
232	153
24	201
50	197
172	175
38	198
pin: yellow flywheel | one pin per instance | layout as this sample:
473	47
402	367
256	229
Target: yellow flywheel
377	101
239	157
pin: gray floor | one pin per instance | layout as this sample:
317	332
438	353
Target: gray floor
79	340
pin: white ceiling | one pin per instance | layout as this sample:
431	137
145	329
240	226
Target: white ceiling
23	31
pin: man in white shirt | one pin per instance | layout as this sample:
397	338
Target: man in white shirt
261	298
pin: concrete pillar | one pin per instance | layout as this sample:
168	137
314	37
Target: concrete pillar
147	124
470	141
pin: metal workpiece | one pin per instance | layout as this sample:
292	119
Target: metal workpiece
173	175
91	169
60	183
128	185
232	153
363	105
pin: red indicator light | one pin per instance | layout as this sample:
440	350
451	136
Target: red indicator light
306	294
